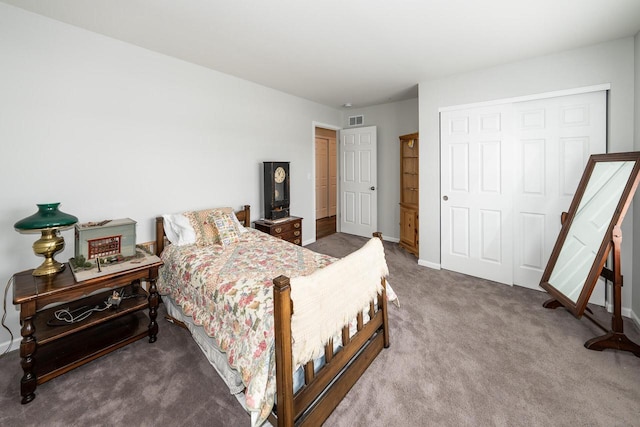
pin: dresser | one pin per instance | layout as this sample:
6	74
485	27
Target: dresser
289	229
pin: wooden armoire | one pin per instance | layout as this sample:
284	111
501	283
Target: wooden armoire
409	184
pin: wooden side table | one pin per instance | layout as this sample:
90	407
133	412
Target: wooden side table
49	349
289	229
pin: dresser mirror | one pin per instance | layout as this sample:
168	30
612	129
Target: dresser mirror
601	200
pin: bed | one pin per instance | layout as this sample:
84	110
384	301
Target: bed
265	313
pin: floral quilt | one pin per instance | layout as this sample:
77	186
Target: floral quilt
228	292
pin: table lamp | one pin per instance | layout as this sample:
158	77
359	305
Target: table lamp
49	220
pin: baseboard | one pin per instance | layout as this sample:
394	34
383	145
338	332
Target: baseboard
15	345
385	238
425	263
635	318
626	312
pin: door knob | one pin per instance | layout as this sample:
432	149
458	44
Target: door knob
372	188
445	198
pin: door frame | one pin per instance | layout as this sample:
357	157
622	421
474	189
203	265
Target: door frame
532	97
312	176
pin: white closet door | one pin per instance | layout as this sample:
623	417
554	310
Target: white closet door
476	195
508	172
553	139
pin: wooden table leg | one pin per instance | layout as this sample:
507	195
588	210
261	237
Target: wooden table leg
28	345
153	309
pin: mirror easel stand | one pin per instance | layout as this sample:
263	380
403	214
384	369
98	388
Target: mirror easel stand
614	337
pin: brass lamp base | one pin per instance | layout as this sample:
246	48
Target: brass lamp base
47	246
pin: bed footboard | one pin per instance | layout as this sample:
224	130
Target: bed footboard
325	388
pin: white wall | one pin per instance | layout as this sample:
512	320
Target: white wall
111	130
611	62
392	120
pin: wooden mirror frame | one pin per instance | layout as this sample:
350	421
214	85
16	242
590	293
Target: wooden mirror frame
608	243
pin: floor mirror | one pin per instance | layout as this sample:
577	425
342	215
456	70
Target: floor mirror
591	234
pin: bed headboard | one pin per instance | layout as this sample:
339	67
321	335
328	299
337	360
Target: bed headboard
243	215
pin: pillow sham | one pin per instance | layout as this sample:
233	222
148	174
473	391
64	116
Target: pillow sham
180	231
205	230
225	227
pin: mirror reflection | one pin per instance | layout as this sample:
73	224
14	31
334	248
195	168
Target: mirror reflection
591	221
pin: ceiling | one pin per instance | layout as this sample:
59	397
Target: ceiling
363	52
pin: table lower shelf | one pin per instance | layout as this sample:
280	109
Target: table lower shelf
67	353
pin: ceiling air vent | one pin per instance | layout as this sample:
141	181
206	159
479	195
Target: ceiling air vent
356	120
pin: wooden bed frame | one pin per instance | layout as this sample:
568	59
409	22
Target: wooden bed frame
325	388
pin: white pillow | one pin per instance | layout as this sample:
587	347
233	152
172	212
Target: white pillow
178	229
239	226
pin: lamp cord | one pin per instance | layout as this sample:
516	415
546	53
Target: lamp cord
66	315
4	316
69	316
63	315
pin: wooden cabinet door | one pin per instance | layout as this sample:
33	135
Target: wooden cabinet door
409	229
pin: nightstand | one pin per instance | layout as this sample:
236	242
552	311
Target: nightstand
289	229
50	348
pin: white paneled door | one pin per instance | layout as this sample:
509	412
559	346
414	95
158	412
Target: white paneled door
508	172
358	181
476	193
553	139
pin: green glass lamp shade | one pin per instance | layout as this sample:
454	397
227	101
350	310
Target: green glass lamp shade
48	216
48	220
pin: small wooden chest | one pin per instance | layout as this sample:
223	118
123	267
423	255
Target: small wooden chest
289	229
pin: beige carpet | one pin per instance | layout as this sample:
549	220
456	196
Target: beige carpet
464	352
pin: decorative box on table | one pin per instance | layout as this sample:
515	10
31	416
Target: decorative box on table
106	239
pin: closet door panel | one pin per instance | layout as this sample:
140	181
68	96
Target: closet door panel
322	178
553	139
332	177
476	194
507	174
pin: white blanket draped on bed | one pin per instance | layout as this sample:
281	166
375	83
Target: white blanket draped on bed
327	300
